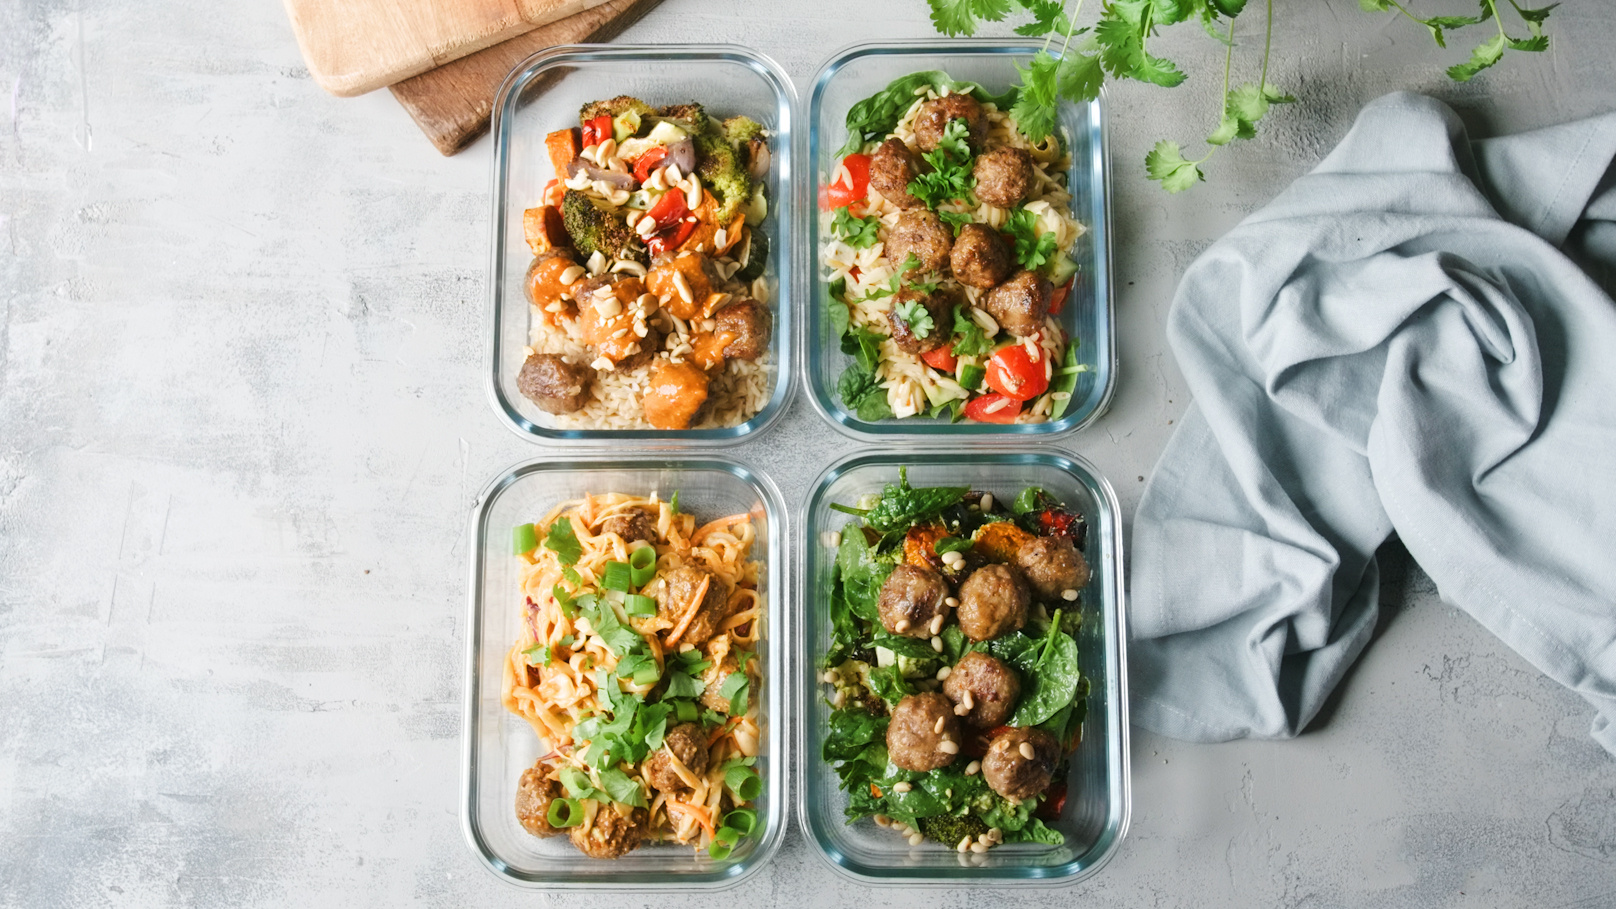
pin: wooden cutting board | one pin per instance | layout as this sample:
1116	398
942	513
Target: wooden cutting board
356	46
452	103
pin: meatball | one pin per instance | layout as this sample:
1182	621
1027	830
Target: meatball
748	323
911	334
1003	176
925	235
612	835
688	743
677	602
985	688
1052	566
554	384
912	600
980	257
924	733
934	116
676	394
648	347
634	524
1008	769
712	696
891	170
992	602
1020	304
534	794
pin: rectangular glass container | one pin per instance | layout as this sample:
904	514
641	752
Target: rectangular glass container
864	69
500	745
543	95
1096	812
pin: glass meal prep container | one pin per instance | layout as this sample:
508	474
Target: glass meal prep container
1095	815
499	745
544	94
860	71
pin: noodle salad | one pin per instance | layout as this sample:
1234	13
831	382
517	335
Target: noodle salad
637	666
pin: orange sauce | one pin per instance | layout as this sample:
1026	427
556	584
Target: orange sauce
706	232
544	282
602	331
677	391
707	348
662	283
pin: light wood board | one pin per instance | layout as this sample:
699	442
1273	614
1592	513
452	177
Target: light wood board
453	102
356	46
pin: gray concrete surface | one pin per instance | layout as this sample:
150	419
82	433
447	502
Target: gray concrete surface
242	420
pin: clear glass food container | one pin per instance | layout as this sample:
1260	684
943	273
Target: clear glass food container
500	745
543	95
862	70
1095	817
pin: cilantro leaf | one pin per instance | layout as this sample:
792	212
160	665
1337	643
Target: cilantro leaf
950	175
969	338
1079	77
958	17
1166	165
1047	16
1122	50
563	542
955	219
1035	107
1484	55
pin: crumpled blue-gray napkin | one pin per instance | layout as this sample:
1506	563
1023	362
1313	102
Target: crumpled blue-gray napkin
1399	342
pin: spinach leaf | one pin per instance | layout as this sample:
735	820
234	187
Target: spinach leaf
863	573
913	648
1052	682
851	731
878	114
889	684
862	393
902	505
1036	832
1030	499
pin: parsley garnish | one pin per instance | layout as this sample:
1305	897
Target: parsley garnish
915	315
858	233
950	177
969	338
1033	248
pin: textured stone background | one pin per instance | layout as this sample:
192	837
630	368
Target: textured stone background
242	420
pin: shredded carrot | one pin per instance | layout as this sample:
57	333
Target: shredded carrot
699	813
695	607
722	731
711	526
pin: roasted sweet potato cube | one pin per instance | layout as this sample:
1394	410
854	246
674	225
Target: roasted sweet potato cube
999	540
919	545
545	230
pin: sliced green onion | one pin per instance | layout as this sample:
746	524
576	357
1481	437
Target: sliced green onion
718	850
573	816
647	674
971	376
686	710
617	577
524	539
744	782
642	565
742	819
635	604
673	503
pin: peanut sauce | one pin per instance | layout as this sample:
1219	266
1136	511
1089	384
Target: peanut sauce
677	391
601	331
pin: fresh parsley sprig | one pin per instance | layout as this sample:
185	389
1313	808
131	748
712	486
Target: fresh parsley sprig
859	233
1032	247
1115	46
950	175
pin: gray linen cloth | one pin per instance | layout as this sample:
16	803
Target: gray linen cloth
1400	342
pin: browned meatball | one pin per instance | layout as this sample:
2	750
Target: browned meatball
554	384
1010	772
648	347
712	696
534	794
634	524
688	743
980	257
911	334
1052	566
1003	176
612	835
992	686
676	598
925	235
911	600
1020	304
747	322
891	170
924	733
935	114
992	602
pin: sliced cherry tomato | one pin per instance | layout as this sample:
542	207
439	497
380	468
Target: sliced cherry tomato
975	744
644	164
991	408
839	193
941	358
672	238
597	130
1058	301
1054	801
668	209
1013	372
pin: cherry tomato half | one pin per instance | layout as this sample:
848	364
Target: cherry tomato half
644	164
1058	301
1054	801
941	358
1013	373
839	193
991	408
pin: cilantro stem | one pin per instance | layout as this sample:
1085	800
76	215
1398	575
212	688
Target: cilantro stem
1268	44
1228	62
1498	17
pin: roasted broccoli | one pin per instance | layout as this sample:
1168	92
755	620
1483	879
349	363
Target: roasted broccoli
949	830
622	104
757	255
742	130
691	118
721	172
594	228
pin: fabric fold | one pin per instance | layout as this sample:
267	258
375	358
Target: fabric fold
1395	344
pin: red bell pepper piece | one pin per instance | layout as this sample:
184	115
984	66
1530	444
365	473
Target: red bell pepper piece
644	164
597	130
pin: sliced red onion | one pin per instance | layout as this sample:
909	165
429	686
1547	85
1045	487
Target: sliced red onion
682	153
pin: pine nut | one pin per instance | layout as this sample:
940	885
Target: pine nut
571	274
995	834
882	820
973	768
961	710
1068	594
948	748
951	602
937	643
1027	751
900	626
978	848
968	701
987	501
833	539
901	787
837	699
916	839
829	677
944	673
964	844
937	727
937	624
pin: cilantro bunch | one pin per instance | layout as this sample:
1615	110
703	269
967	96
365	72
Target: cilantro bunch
1115	46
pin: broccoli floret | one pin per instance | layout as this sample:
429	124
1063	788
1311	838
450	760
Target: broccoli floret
613	108
741	130
594	228
720	171
949	830
692	117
